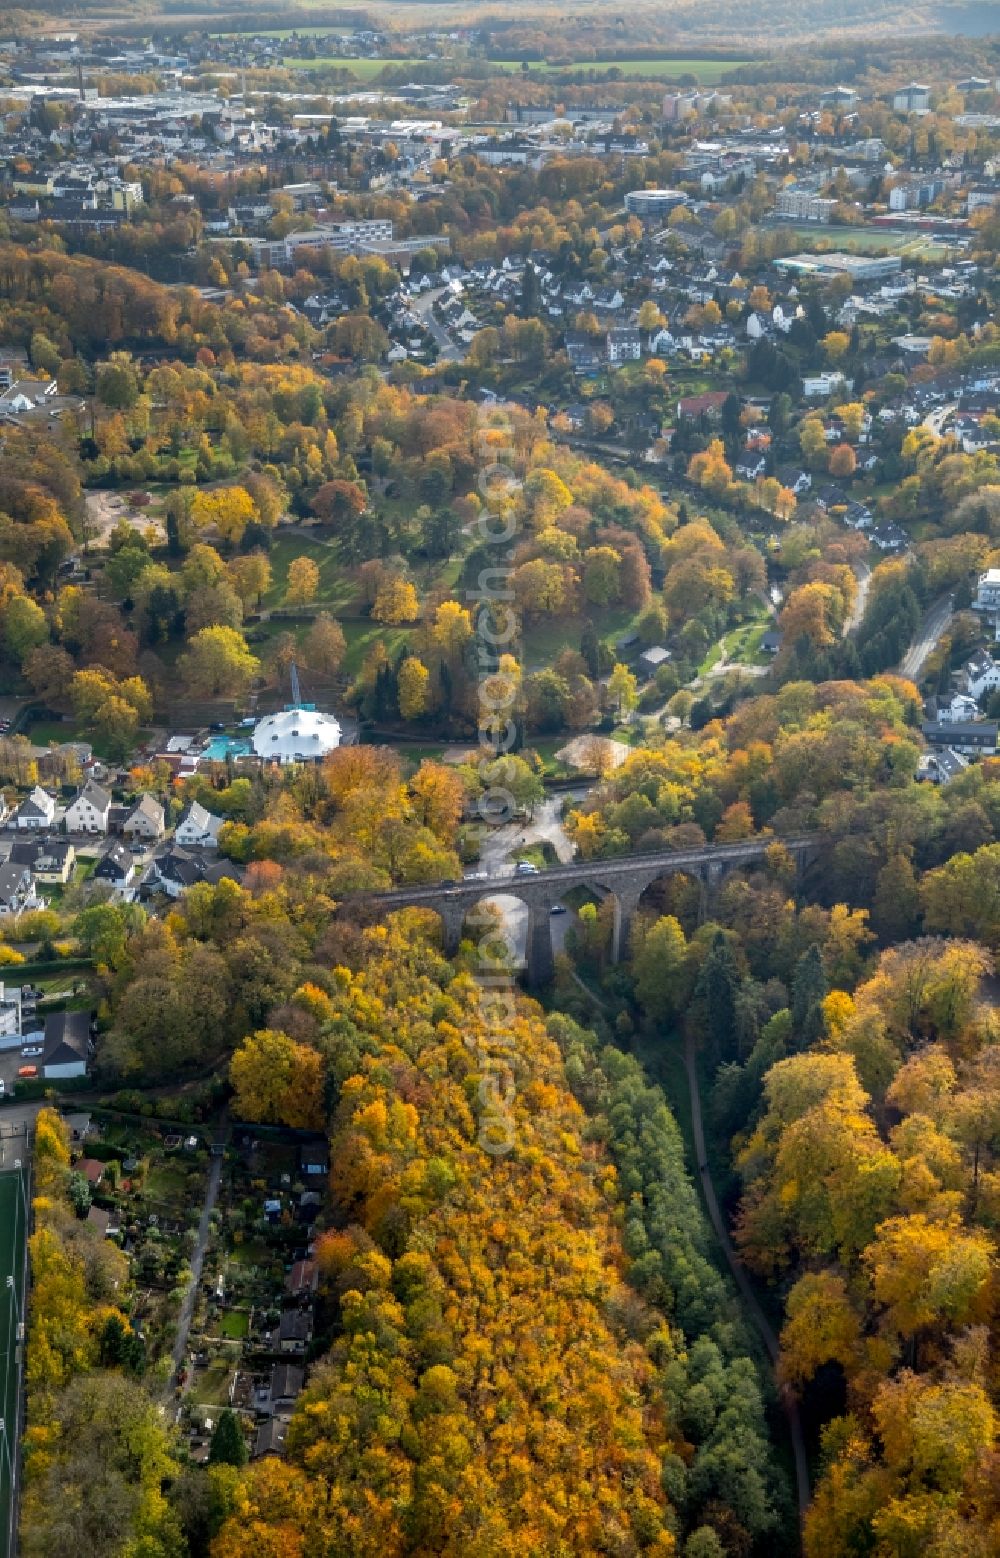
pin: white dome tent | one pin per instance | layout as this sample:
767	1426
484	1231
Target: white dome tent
295	736
298	734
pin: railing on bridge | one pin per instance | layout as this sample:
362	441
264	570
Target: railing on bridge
624	877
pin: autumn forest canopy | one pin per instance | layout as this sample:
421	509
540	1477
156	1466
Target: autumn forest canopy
439	452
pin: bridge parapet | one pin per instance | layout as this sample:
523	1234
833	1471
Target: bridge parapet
625	878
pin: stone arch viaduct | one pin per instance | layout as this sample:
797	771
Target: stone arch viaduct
624	878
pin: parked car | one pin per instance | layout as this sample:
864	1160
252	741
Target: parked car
525	868
27	1071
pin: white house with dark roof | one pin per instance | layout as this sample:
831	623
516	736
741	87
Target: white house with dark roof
36	812
981	674
67	1044
17	889
116	866
89	811
198	828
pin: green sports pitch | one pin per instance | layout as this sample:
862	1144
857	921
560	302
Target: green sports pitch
13	1190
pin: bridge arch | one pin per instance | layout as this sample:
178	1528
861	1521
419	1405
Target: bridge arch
625	878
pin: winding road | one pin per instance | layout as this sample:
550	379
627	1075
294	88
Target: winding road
763	1326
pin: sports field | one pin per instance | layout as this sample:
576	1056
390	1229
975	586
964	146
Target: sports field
12	1236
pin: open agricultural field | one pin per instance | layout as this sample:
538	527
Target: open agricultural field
707	71
364	70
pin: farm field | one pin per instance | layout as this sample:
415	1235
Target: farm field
707	72
364	70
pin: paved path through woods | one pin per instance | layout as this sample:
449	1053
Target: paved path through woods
198	1258
757	1315
936	622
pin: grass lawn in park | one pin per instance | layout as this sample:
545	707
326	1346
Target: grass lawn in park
336	589
543	638
362	634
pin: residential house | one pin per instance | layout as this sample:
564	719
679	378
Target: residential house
988	592
303	1279
10	1016
145	822
651	659
66	1047
17	889
585	352
198	828
624	344
88	812
309	1208
105	1220
116	866
50	859
771	642
961	710
178	869
795	478
314	1161
709	404
890	538
942	766
607	300
37	812
285	1386
749	466
859	517
91	1169
981	674
977	738
294	1332
818	386
270	1438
